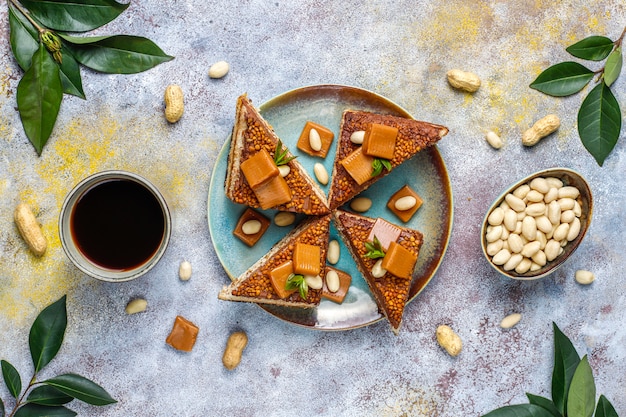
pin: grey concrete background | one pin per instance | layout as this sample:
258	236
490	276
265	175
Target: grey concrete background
400	49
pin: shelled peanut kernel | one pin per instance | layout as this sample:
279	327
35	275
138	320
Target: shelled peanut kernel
533	224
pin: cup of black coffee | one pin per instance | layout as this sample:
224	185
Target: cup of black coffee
114	226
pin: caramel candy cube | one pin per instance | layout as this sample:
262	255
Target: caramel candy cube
380	141
344	285
358	165
306	259
273	193
279	277
404	215
259	169
385	232
183	335
326	138
248	215
399	261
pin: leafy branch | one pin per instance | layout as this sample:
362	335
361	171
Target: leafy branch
599	116
280	155
375	249
297	282
378	164
573	389
51	58
48	397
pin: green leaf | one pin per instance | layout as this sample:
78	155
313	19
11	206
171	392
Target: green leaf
566	360
47	395
11	378
24	38
562	79
519	410
46	333
297	282
70	74
280	155
605	408
36	410
613	66
81	388
119	54
544	403
25	42
374	249
74	15
593	48
599	122
581	399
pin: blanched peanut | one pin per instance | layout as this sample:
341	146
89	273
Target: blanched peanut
584	277
377	270
405	203
320	173
137	305
315	142
357	137
284	170
494	140
219	69
251	227
542	128
332	281
361	204
496	217
515	202
510	320
501	257
314	281
284	218
333	253
184	271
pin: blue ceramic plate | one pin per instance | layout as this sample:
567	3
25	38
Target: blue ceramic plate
426	174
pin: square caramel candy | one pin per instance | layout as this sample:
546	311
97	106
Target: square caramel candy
344	285
404	215
251	215
399	261
183	335
385	232
306	259
259	169
273	193
279	277
358	165
380	141
326	139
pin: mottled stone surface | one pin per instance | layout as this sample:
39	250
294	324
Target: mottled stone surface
399	49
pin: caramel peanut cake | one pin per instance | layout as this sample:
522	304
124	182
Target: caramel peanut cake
371	145
291	274
262	172
386	255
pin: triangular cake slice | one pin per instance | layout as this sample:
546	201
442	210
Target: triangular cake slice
264	282
252	136
399	246
350	174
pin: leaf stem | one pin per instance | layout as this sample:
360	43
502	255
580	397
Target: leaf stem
618	42
32	382
27	16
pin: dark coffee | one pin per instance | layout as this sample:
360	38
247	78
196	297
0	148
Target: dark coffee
117	224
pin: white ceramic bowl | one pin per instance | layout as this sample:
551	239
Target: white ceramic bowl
79	259
569	177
